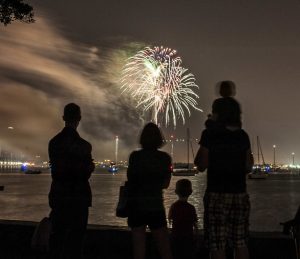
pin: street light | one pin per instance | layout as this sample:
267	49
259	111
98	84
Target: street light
172	147
116	149
10	128
274	155
293	157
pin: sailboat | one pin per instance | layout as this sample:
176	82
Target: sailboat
187	170
259	171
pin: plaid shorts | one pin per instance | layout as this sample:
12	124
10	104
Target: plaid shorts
226	219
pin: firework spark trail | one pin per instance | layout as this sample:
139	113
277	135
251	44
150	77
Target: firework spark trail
156	80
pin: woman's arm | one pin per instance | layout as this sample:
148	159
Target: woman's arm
168	173
130	168
167	179
201	159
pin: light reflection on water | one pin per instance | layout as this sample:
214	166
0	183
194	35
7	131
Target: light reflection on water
25	198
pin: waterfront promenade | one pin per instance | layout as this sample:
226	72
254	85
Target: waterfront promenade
108	242
24	202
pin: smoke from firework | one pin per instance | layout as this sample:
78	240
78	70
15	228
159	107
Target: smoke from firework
41	70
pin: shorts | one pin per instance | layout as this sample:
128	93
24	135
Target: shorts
226	219
153	219
183	247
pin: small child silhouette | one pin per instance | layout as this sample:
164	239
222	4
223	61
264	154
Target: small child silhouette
183	219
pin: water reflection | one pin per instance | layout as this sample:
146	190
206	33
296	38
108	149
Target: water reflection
25	198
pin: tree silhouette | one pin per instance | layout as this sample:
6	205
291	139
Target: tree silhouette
11	10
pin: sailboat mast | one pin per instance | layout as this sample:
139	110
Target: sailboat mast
262	154
257	143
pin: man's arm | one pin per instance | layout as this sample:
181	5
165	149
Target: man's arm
201	159
82	162
89	164
249	161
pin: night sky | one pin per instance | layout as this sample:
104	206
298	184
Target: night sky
75	50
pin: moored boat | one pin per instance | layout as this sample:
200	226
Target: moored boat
185	171
258	175
259	171
113	169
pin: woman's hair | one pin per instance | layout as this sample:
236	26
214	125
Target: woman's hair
151	137
228	111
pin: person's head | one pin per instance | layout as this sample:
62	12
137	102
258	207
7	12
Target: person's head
151	137
226	88
72	115
183	188
227	111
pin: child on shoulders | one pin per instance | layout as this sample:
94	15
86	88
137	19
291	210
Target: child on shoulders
220	105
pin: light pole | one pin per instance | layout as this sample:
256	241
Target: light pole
10	128
274	155
116	151
172	147
293	158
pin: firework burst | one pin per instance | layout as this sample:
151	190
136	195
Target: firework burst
156	80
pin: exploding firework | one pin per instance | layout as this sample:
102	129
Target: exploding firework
156	80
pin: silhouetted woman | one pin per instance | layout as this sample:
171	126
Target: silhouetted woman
226	154
148	173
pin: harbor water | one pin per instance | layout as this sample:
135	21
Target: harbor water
24	197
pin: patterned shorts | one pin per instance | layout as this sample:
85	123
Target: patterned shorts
226	219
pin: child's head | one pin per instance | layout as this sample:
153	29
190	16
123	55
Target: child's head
226	88
227	111
183	188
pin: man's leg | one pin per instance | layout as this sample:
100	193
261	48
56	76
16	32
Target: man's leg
139	242
242	253
58	234
218	254
161	237
78	219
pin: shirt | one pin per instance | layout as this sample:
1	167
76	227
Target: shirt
184	217
71	167
148	171
226	170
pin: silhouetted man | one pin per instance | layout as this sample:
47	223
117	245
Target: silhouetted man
70	194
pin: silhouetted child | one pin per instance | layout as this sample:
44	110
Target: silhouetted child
227	92
183	218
